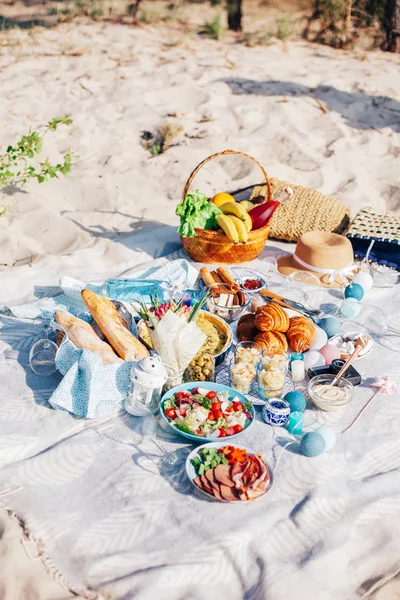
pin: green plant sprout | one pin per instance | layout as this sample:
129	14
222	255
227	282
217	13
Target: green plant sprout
16	165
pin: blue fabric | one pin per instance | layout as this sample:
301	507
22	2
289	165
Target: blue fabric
89	388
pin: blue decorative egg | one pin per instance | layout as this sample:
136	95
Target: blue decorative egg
312	444
297	401
354	290
329	436
350	308
331	326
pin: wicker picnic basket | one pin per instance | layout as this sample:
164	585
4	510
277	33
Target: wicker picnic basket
213	246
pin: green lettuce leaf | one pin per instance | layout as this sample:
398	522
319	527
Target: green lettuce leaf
196	212
184	428
169	403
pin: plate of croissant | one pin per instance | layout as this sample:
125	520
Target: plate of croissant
276	329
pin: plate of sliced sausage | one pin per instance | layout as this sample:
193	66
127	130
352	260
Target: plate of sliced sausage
229	473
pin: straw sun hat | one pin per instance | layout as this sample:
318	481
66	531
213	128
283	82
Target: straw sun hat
328	256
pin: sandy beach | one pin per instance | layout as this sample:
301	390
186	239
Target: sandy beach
313	116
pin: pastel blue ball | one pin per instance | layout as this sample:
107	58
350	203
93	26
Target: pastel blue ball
354	290
328	308
312	444
329	436
297	401
295	422
350	308
331	326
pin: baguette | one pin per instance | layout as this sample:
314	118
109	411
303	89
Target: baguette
83	336
113	327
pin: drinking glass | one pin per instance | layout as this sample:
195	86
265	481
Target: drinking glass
272	374
248	352
303	279
242	376
42	355
270	268
373	320
175	377
382	275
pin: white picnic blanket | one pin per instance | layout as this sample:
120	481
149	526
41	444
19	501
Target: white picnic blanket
113	514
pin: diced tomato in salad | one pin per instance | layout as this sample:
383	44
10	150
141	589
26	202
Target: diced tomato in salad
207	413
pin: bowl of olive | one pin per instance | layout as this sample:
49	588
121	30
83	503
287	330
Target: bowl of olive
201	368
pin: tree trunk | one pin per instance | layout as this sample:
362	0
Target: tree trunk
393	25
234	15
133	10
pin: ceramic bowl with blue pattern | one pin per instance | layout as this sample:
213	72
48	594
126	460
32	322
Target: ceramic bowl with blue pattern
211	386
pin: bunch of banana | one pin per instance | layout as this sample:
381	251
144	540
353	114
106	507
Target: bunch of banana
235	222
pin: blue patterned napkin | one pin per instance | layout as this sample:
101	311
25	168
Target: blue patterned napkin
89	388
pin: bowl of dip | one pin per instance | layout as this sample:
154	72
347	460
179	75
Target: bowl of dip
327	397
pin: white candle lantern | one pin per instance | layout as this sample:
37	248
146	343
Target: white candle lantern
147	379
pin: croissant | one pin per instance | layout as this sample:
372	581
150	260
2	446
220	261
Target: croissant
272	342
300	333
246	329
271	317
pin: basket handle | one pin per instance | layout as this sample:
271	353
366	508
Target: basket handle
206	160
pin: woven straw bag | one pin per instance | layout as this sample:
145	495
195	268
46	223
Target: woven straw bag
306	210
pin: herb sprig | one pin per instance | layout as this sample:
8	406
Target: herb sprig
16	165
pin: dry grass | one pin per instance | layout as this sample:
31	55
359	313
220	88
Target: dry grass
263	20
257	38
159	140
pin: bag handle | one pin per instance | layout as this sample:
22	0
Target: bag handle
223	153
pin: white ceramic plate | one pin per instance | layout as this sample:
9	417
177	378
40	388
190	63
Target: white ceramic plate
191	472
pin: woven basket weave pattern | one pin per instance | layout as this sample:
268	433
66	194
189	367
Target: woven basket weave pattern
371	224
306	210
214	246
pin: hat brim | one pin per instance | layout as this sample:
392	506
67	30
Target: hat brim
288	265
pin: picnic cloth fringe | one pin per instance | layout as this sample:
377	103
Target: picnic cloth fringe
49	565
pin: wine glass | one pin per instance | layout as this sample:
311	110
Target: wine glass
304	279
374	321
42	355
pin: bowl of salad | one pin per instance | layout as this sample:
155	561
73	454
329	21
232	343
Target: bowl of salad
206	412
